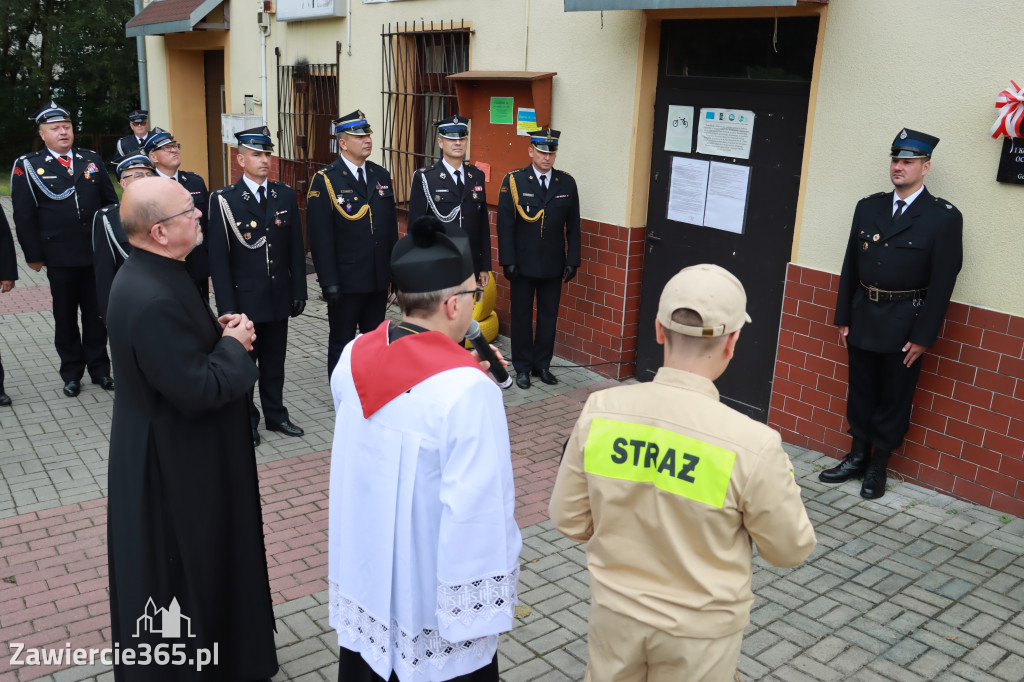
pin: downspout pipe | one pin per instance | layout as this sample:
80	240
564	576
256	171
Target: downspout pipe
140	49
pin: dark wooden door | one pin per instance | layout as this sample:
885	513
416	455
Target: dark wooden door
757	255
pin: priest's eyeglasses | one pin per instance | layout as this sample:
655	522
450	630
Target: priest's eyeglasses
478	294
191	209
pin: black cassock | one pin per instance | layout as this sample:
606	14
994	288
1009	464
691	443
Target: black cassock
184	522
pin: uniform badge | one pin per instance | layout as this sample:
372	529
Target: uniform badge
348	208
443	176
474	195
248	236
875	238
903	134
864	246
437	197
246	195
277	221
85	175
273	193
39	171
252	224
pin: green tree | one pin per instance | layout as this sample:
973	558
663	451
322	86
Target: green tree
75	52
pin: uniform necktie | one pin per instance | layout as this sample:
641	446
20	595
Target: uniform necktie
899	210
263	199
458	181
362	180
544	182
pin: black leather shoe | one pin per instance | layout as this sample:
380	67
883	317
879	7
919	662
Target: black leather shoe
106	383
255	438
523	380
287	428
546	376
875	478
5	399
853	465
72	388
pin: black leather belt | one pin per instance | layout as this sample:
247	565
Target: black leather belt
877	295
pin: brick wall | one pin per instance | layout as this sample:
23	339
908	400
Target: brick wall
966	433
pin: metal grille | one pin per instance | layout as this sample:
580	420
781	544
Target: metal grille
418	58
307	102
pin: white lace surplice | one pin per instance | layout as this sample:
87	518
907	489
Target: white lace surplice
424	548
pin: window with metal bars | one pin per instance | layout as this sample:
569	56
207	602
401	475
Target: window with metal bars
307	102
418	58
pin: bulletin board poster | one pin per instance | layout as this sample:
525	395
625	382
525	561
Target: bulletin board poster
502	111
725	132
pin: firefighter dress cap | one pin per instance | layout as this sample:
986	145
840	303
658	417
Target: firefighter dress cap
545	140
910	144
157	138
712	292
138	115
130	161
352	124
51	113
257	139
427	259
453	127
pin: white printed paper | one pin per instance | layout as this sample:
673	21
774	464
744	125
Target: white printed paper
688	190
725	132
727	196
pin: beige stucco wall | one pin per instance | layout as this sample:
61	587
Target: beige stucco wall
934	66
156	73
592	63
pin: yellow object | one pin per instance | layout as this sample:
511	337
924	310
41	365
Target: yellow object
488	327
648	454
483	309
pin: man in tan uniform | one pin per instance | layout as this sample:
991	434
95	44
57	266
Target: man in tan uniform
670	487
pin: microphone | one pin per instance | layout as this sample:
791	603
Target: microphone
483	348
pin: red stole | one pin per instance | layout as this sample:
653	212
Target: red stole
382	371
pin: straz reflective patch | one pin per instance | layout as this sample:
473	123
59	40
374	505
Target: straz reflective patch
672	462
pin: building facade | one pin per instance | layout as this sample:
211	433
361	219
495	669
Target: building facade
737	132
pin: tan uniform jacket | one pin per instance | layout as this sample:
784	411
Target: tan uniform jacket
637	458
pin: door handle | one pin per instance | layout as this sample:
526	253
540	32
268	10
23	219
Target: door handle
651	237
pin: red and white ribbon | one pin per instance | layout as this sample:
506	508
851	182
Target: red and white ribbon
1010	103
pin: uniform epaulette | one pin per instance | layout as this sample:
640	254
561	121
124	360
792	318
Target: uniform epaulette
424	169
876	194
941	201
107	209
565	173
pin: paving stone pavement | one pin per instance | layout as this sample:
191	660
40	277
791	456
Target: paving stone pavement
915	586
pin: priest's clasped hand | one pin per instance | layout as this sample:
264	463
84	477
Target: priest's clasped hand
239	327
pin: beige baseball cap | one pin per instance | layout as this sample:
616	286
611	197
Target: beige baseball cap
709	290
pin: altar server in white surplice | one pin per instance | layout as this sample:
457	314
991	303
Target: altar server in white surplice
424	547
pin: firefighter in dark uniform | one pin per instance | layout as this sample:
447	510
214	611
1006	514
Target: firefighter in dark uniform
55	192
539	248
8	273
139	122
901	264
165	153
453	192
258	264
110	244
352	227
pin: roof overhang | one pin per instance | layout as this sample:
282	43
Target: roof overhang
169	16
593	5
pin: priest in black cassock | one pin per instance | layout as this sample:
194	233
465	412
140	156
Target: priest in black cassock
185	530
